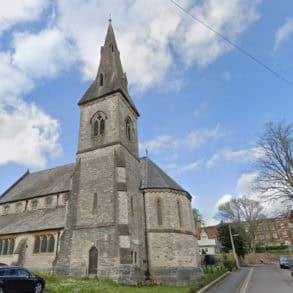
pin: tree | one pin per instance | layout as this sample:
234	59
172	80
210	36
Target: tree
240	243
275	165
244	211
197	216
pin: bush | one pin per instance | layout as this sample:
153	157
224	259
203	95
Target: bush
229	264
272	247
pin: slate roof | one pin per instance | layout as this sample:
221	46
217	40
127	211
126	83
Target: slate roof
37	220
154	177
39	183
110	68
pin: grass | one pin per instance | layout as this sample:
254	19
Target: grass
61	284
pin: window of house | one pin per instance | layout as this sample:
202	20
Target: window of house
44	243
7	246
131	207
129	129
95	203
11	246
51	244
37	244
98	124
159	212
179	213
101	79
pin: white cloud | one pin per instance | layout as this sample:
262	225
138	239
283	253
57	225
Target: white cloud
193	140
284	33
246	183
175	169
152	40
27	135
44	54
16	11
223	199
242	155
211	222
200	45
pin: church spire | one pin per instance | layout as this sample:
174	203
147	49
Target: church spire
110	77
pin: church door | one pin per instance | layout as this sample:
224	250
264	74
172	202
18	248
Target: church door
93	260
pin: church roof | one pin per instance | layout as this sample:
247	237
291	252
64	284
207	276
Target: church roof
110	77
39	183
155	177
37	220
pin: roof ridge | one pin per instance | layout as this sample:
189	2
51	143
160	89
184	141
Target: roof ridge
56	167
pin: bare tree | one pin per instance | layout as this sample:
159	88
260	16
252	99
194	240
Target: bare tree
275	164
243	211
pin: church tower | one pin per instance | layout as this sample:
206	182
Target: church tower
103	235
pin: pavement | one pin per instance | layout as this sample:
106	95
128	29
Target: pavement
255	279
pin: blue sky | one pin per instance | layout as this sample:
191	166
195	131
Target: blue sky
202	103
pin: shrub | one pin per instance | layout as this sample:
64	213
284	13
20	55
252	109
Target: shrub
229	264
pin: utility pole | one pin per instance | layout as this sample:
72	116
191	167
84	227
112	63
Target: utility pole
233	248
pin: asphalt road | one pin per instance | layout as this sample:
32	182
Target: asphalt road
270	279
257	279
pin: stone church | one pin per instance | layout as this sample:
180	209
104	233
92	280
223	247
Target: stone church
110	214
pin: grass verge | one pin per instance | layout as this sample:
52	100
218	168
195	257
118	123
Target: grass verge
61	284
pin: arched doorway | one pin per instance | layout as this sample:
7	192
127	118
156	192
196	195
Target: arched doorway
93	260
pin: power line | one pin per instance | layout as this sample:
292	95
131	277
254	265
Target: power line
243	51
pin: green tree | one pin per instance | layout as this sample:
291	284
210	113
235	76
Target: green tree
197	216
239	240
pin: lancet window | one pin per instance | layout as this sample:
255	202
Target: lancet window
98	122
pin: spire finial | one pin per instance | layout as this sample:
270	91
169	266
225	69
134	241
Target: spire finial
110	18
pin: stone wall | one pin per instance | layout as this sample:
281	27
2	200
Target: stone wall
172	245
24	252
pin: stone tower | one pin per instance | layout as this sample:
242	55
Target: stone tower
104	230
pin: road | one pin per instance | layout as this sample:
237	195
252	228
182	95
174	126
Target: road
270	279
257	279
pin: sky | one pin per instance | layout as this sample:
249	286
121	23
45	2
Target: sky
202	103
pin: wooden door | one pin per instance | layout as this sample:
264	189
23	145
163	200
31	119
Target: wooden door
93	260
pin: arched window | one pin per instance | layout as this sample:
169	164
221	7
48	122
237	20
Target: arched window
11	246
34	203
95	203
159	212
5	247
129	129
131	207
51	245
101	79
179	213
37	244
96	128
98	122
44	244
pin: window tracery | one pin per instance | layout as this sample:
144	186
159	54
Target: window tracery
98	122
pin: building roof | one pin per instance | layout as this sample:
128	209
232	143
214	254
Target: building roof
155	177
39	183
211	231
37	220
110	77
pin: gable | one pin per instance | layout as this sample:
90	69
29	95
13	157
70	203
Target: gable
40	183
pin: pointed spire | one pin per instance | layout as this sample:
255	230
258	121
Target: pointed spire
110	77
